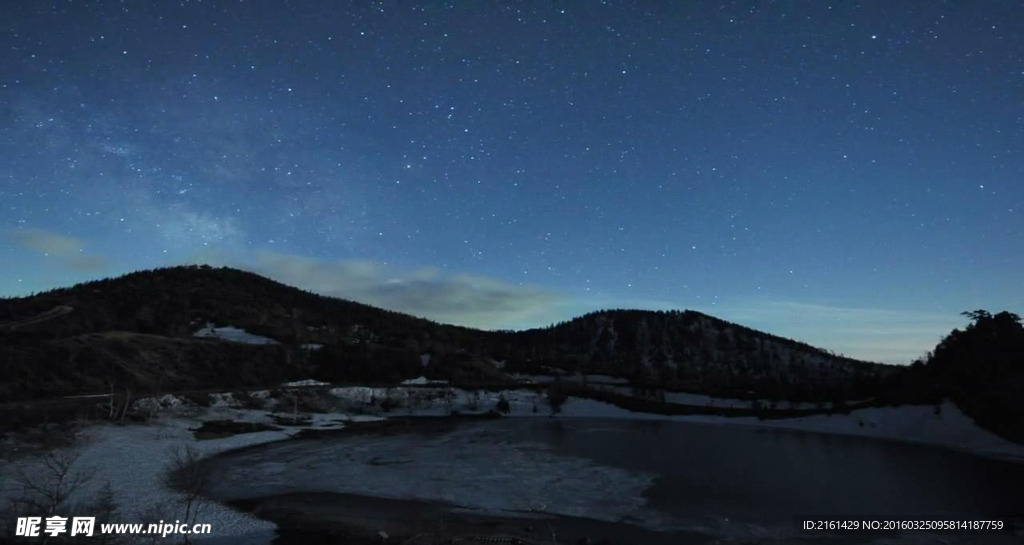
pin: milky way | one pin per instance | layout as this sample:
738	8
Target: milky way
848	174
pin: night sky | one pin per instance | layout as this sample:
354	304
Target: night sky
846	174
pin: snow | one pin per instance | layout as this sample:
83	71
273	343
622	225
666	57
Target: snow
702	400
422	381
154	404
133	458
590	379
233	334
436	401
946	427
304	382
495	470
225	399
949	427
687	398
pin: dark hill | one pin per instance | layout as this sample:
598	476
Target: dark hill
177	301
136	331
691	350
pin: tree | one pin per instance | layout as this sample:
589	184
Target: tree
556	396
48	488
980	369
502	406
976	315
191	478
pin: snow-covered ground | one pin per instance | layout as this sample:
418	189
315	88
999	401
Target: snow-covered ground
702	400
570	377
133	460
134	457
422	381
305	382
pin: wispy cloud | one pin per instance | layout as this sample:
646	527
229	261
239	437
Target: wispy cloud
68	250
469	300
874	334
884	335
46	242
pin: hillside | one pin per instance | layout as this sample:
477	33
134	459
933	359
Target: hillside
138	331
691	350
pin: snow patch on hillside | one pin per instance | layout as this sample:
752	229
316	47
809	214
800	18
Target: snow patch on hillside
233	334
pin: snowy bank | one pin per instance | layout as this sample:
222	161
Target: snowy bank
946	426
133	458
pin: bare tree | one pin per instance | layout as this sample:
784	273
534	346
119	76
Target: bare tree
49	487
191	478
117	405
127	403
113	397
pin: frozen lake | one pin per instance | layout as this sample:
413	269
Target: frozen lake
721	480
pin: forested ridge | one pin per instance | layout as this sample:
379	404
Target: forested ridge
136	332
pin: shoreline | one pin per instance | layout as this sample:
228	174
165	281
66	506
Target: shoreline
102	445
298	515
946	428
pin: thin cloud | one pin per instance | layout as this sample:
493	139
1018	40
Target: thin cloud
461	299
46	242
68	250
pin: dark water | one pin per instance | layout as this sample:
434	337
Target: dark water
732	475
759	475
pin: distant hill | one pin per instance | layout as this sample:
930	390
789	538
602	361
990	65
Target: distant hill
688	349
137	331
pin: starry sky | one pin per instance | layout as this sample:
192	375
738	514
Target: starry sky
848	174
